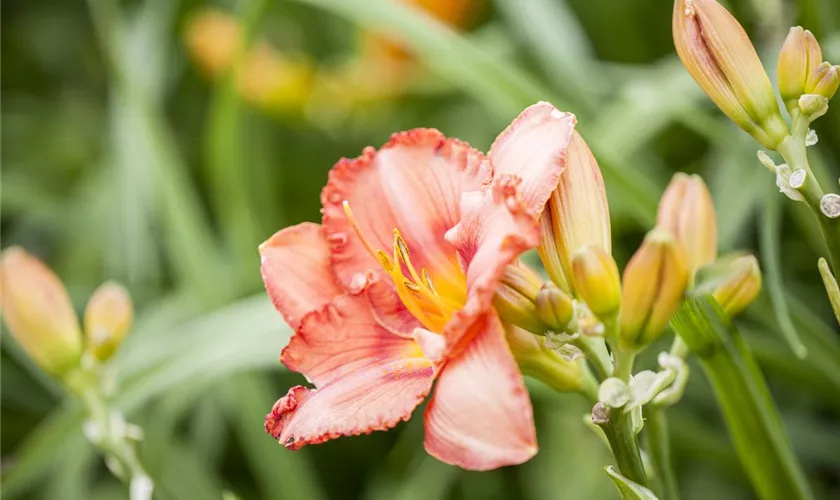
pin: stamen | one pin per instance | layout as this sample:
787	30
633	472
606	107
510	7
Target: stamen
355	225
384	261
401	249
416	291
428	281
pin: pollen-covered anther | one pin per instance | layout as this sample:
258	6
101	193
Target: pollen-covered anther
415	290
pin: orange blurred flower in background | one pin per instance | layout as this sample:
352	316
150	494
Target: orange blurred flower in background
380	69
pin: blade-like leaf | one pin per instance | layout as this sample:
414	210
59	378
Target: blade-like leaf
627	488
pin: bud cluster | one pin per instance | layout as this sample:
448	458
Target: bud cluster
588	296
716	51
40	316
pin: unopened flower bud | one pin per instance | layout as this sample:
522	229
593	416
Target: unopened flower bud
799	57
38	312
717	52
107	319
653	285
824	81
538	361
740	285
577	215
554	307
813	105
687	211
516	299
597	280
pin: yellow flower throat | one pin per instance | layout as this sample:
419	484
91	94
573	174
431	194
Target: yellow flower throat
416	290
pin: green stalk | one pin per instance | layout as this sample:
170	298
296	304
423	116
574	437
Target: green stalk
110	440
624	364
659	450
225	151
595	351
793	150
742	394
618	427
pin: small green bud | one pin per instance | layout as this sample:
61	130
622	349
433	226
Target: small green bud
813	105
654	282
516	298
554	307
799	58
538	361
597	280
108	317
824	81
739	286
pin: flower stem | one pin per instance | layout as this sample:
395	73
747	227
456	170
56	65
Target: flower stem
659	450
618	427
108	434
596	353
624	363
793	150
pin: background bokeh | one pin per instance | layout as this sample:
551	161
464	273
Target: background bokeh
142	143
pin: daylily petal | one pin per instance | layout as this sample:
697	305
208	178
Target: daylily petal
342	338
389	311
432	344
533	148
373	399
414	184
295	270
480	416
495	228
366	377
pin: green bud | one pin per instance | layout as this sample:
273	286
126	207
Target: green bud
597	280
799	58
516	299
554	307
107	319
738	287
654	282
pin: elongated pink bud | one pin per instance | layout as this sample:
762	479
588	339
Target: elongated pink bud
38	312
577	215
687	211
716	51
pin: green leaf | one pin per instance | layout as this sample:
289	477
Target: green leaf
501	84
225	152
561	45
770	237
244	336
279	473
744	399
189	239
627	488
831	288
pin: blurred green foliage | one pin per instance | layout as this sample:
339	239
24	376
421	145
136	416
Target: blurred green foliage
120	161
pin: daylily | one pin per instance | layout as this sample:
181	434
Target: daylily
375	328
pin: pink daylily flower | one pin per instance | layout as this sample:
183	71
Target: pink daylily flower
393	291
